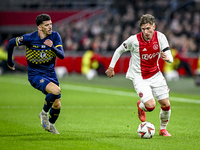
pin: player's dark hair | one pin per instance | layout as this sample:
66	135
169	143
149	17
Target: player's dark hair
42	17
147	19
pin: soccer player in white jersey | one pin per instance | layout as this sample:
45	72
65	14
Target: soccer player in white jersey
146	48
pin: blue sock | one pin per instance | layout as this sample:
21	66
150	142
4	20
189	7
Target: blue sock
53	115
50	98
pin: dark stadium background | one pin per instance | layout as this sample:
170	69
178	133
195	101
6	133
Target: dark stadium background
106	24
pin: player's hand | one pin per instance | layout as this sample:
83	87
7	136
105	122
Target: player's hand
12	68
11	65
110	72
48	42
164	56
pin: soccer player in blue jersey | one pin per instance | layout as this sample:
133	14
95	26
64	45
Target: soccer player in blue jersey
42	48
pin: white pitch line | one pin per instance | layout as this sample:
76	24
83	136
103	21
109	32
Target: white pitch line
71	107
100	90
97	90
120	93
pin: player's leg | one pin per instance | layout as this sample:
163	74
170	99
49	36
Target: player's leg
52	92
52	88
40	83
146	102
161	93
55	105
54	114
165	114
143	107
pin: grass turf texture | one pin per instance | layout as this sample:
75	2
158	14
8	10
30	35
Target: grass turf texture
96	115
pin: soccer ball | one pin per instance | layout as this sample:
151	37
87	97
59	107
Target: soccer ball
146	130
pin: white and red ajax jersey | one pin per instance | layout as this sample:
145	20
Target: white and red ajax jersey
144	54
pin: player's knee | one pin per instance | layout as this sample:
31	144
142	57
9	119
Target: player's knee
57	104
165	105
53	89
164	102
150	104
57	91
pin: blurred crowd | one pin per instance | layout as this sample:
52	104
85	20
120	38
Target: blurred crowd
102	34
180	22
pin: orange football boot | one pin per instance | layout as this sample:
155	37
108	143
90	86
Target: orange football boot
164	132
141	113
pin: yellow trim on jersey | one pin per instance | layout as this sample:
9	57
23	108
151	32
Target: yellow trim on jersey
58	46
198	64
16	41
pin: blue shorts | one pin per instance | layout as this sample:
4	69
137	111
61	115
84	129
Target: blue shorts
40	82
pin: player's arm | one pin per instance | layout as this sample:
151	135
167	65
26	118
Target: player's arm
56	45
17	41
110	71
125	46
58	49
12	43
165	50
166	55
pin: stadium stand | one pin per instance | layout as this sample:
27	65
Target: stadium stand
108	23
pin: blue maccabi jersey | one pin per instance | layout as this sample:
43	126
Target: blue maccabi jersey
40	57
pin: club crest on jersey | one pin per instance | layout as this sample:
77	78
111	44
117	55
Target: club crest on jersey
140	94
20	39
155	46
42	80
125	46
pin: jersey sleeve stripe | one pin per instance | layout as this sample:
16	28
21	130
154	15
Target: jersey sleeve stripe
165	49
16	41
58	46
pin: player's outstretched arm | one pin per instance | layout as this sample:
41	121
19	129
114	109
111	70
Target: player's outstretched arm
110	72
10	48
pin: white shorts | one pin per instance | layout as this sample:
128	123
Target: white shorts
154	86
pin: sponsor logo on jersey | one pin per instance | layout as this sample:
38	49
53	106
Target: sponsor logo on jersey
39	57
35	46
149	56
43	46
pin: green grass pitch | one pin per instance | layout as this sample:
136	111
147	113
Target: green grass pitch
96	115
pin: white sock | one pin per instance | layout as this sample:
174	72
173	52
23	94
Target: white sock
51	124
164	118
142	106
44	112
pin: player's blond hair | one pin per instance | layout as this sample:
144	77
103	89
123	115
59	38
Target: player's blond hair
148	18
